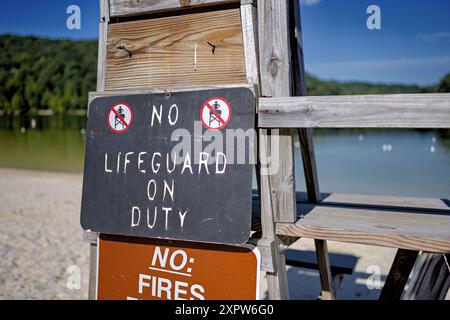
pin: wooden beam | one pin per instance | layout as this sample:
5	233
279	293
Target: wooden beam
357	111
277	282
102	44
398	275
300	89
430	278
101	83
196	49
428	231
275	67
323	260
250	38
121	8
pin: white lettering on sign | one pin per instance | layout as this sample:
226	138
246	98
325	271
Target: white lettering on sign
178	265
143	162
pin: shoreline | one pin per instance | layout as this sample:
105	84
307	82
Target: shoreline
41	244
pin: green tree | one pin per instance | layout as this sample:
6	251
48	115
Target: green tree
444	84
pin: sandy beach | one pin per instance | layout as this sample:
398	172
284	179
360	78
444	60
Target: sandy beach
41	243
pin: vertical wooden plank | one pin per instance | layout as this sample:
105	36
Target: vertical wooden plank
398	274
277	190
326	281
277	282
272	256
249	33
92	271
299	88
275	67
430	278
101	81
102	44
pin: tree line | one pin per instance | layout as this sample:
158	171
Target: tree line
38	73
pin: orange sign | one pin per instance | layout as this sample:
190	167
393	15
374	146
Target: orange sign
147	269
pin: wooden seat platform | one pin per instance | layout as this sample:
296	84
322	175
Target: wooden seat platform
398	222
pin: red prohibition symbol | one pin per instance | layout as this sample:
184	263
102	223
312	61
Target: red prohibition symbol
215	113
120	117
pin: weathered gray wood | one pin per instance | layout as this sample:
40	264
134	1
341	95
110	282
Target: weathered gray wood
357	111
309	164
249	33
385	202
277	283
102	44
273	261
275	67
428	231
430	278
323	260
398	275
168	91
121	8
300	89
101	83
92	293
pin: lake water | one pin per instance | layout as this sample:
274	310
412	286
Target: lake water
384	162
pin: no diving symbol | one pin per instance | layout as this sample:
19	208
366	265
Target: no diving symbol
215	113
120	117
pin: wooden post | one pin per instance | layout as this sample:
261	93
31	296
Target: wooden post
323	260
275	66
430	278
101	82
278	201
399	274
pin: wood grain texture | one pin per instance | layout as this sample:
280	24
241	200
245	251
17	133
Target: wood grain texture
273	258
385	202
357	111
275	68
323	260
277	283
430	278
92	293
398	275
121	8
249	31
176	51
373	226
101	84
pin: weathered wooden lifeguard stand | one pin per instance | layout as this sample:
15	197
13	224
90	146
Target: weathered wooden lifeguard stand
170	45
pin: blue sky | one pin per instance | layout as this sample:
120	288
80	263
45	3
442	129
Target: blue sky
413	45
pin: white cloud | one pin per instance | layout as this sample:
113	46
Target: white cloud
310	3
434	36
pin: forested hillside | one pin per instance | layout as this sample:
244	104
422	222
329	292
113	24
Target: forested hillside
37	73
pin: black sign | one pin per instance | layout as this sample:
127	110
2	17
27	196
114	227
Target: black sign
172	166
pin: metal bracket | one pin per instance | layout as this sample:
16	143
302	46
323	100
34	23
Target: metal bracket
90	237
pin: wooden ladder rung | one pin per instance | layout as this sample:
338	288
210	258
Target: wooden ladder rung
397	222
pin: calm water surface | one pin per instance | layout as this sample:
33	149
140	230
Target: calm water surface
393	162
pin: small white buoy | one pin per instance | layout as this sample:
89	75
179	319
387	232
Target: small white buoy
387	147
361	138
432	149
